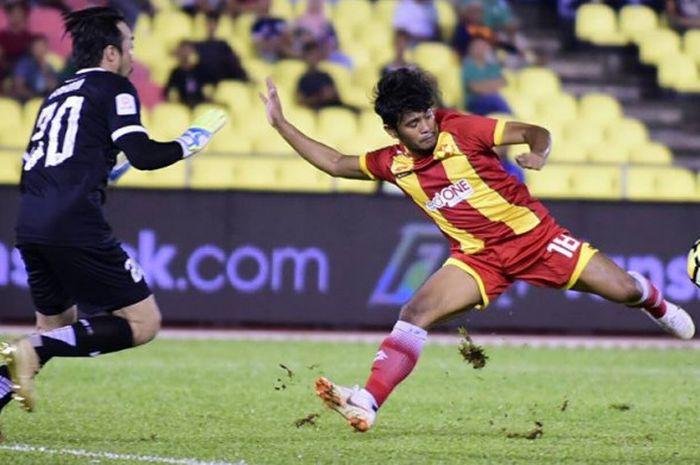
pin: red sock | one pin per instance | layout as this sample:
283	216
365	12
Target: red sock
652	300
396	357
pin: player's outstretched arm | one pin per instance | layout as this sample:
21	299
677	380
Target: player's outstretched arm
325	158
538	138
144	153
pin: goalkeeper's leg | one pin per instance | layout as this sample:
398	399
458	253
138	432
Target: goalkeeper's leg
88	337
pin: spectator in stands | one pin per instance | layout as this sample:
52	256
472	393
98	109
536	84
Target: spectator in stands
217	59
195	7
235	8
33	75
418	18
482	79
271	35
315	25
470	25
186	81
401	43
16	39
316	89
494	21
683	14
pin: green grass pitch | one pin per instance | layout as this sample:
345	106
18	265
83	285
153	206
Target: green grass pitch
232	402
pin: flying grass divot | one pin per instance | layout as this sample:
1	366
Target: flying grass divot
471	353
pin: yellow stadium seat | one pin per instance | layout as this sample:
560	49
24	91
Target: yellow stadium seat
150	50
236	95
255	173
352	11
553	181
679	72
10	166
582	134
435	57
636	21
524	107
258	70
560	107
269	144
172	26
283	9
31	111
658	44
212	172
661	183
652	153
597	23
447	19
169	120
303	118
355	186
691	44
335	124
11	112
286	73
599	109
597	182
609	153
627	132
231	141
538	83
568	153
297	175
172	177
15	137
384	10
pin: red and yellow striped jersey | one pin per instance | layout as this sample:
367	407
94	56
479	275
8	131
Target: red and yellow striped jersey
462	187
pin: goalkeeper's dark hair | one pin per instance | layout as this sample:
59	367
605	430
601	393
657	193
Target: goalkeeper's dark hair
404	90
93	29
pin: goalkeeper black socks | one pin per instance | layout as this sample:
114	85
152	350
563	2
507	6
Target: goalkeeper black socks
87	337
5	387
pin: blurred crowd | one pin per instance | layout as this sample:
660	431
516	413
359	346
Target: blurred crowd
486	40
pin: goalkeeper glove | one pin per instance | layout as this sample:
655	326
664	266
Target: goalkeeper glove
199	134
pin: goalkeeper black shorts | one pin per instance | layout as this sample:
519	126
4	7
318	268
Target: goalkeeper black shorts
97	279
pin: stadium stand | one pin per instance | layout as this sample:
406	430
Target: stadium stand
594	136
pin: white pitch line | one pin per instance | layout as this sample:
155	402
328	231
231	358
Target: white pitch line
111	455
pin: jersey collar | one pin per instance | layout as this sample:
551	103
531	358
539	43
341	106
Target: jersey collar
88	70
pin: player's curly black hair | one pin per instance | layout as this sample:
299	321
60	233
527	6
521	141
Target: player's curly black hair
402	91
93	29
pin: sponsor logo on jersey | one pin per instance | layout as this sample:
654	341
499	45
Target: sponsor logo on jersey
126	104
450	195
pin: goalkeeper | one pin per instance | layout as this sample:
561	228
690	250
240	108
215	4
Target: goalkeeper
72	259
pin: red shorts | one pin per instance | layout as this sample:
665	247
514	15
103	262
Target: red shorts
547	256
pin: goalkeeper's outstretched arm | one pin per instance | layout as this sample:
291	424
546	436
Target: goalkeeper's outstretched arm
323	157
144	153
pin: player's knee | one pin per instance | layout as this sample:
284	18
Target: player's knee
628	291
146	327
414	312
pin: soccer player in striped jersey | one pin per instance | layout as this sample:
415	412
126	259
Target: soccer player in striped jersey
444	161
73	260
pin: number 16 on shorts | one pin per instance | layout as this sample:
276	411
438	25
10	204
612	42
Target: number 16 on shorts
565	245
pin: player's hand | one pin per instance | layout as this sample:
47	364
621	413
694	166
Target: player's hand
273	106
120	168
200	133
530	161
